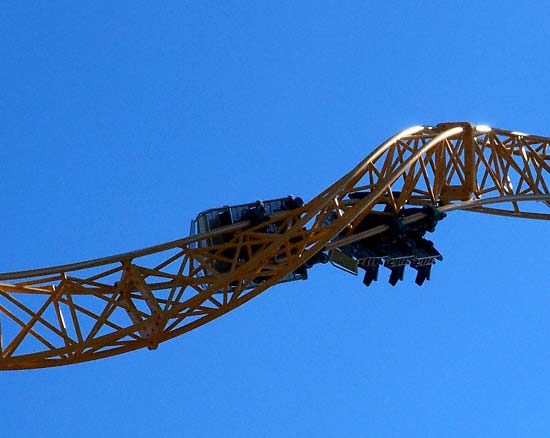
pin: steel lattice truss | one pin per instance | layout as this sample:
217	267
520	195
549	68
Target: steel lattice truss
104	307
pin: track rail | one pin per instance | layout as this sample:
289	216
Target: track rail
103	307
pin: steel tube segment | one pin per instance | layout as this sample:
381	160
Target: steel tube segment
103	307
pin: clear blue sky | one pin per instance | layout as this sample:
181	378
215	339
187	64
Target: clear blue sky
121	120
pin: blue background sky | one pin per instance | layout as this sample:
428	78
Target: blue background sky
121	120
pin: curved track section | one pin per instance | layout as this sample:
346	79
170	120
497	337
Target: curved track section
89	310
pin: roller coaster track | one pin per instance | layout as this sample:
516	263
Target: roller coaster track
108	306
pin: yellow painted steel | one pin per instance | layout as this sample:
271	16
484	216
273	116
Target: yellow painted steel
99	308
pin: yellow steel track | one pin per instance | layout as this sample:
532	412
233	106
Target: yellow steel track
99	308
